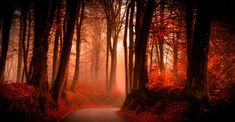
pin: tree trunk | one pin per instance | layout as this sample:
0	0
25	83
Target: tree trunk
131	44
144	39
72	7
42	28
7	15
56	43
78	45
26	49
23	26
175	55
139	21
108	43
196	87
189	29
161	39
125	52
113	63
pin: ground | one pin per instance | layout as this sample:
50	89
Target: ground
94	115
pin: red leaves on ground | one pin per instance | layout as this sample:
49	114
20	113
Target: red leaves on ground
175	112
19	96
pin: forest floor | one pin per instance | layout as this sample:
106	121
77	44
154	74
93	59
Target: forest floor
169	106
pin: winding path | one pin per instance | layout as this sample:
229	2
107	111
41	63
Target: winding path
94	115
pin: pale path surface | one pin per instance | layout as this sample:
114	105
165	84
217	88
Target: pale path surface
94	115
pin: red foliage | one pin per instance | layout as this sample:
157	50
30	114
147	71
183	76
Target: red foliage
175	112
160	80
19	96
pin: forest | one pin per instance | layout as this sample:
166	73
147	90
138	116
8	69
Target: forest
117	60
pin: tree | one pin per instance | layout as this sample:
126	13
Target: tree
196	87
125	52
23	25
58	34
131	43
78	46
140	63
114	23
44	16
71	9
8	9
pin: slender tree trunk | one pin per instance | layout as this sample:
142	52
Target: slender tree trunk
113	63
151	58
55	54
23	27
78	45
109	32
56	43
42	27
26	49
125	52
131	44
161	39
175	55
72	7
7	15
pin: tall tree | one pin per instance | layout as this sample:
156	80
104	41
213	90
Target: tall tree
131	42
114	23
23	25
44	16
8	9
138	27
78	45
71	9
189	7
125	52
196	87
56	41
141	58
161	38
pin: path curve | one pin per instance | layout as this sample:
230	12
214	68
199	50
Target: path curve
94	115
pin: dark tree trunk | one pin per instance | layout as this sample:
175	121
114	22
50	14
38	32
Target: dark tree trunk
7	15
113	66
78	45
109	32
125	52
189	29
138	27
196	87
23	25
26	49
151	57
175	55
55	54
142	78
56	43
161	39
131	44
42	28
72	7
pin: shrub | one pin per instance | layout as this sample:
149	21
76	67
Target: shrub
19	102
